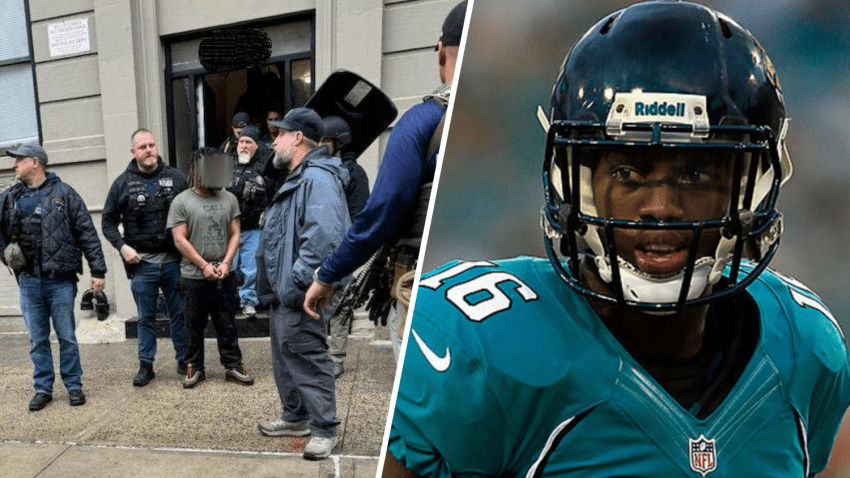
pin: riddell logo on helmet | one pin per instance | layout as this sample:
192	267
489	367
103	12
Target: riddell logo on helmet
659	109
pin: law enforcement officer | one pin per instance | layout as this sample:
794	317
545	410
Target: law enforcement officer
396	210
46	228
254	181
139	200
304	223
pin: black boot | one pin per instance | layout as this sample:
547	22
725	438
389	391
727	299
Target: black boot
145	375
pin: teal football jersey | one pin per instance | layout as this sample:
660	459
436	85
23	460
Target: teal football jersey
509	372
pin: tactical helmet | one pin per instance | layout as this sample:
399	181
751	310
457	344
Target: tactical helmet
95	301
337	128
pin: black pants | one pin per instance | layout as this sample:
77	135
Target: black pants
203	299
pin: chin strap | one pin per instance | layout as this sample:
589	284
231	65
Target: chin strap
641	287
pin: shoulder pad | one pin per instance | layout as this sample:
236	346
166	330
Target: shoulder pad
803	338
516	305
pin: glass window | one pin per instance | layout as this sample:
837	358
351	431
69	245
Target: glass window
181	145
290	38
18	122
18	109
15	44
302	81
184	56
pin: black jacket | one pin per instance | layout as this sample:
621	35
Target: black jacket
357	189
254	184
140	201
66	230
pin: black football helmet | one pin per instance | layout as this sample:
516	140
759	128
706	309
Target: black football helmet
667	79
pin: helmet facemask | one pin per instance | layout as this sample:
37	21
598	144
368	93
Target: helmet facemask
718	186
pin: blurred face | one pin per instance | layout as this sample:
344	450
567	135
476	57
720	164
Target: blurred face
25	169
145	152
663	187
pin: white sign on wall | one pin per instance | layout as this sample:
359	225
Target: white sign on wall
68	38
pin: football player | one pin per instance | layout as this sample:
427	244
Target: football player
653	341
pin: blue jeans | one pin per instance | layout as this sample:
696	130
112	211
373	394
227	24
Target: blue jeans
145	285
246	267
43	299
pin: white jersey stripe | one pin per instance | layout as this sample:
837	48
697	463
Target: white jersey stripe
549	444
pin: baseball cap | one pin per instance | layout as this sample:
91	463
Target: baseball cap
453	26
240	120
252	132
305	120
29	151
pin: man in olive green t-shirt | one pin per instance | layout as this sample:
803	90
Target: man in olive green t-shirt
205	225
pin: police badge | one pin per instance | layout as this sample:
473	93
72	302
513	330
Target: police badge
703	455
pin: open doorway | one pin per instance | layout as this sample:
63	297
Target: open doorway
202	104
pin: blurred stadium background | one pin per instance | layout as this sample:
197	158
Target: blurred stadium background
490	192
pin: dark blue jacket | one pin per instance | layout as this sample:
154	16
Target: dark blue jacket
395	196
67	230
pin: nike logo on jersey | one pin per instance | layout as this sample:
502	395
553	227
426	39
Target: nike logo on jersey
440	364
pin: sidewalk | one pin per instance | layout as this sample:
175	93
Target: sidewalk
164	430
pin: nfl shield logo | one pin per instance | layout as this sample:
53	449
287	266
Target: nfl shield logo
703	455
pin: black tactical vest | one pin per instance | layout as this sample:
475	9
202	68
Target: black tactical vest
252	189
31	238
147	211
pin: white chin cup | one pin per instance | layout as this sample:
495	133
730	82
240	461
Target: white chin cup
644	288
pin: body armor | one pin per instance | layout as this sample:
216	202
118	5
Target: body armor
147	210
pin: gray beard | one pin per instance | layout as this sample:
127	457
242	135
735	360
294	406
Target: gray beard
282	160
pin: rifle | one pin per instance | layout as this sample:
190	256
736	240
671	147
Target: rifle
371	285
